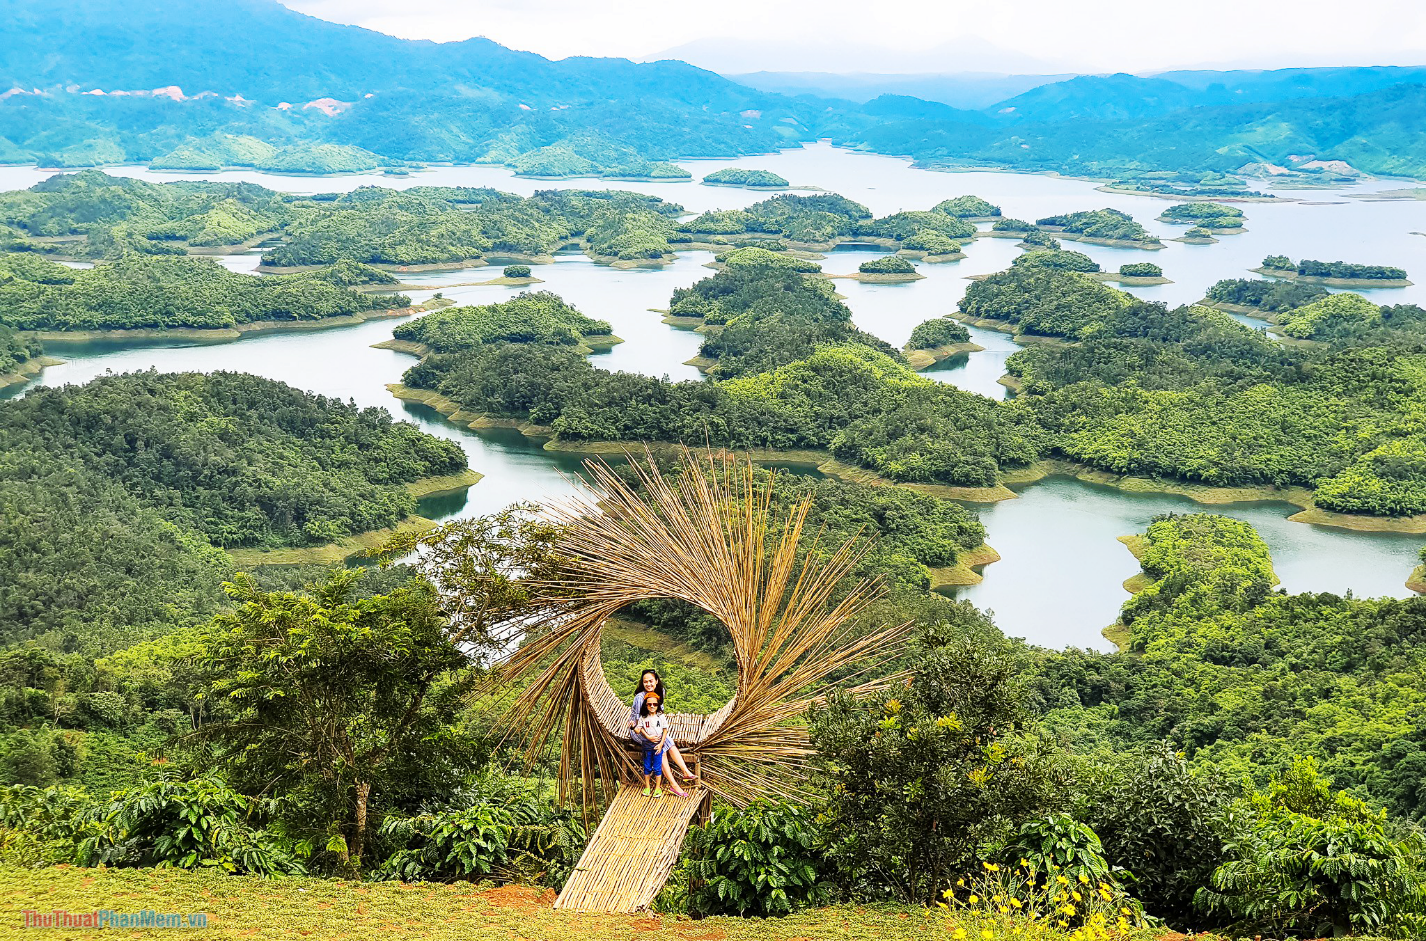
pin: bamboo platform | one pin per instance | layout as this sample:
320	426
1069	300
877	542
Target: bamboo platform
630	856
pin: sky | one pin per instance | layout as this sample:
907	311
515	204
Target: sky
923	35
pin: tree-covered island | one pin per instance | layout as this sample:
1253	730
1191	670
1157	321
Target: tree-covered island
1101	227
748	179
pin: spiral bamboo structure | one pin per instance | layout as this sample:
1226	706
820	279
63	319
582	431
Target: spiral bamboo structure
711	536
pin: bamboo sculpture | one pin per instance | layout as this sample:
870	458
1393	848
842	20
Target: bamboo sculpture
712	537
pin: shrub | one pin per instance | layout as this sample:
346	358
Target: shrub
1164	823
760	861
516	271
1308	862
891	264
921	780
1279	263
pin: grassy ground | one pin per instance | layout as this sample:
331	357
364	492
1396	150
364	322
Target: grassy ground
245	907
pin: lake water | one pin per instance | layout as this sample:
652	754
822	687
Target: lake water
1059	581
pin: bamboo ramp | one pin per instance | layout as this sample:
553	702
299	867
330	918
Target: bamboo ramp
632	852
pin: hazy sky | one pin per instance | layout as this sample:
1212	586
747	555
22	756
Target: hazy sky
923	35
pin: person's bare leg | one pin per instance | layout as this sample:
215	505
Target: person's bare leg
668	773
677	758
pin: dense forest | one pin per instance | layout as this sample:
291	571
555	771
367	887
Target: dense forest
529	318
1109	225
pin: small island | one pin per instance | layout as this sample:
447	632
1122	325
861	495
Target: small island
885	270
939	339
534	318
1138	273
931	246
1059	258
969	208
1029	234
746	179
1335	273
1101	227
227	151
1259	298
1197	235
1214	217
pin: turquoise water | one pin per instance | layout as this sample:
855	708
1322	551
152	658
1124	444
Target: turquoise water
1059	580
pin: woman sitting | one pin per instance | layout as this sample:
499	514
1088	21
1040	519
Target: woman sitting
651	683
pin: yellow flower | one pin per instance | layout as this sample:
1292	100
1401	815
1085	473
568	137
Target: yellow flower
1024	864
1076	897
1004	910
973	899
986	934
991	866
1083	878
1017	903
960	933
1061	880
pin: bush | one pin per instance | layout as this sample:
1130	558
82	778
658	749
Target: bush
516	271
922	780
1164	823
1141	269
1279	263
760	861
1308	862
891	264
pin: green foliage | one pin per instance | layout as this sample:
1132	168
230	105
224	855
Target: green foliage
1043	300
516	271
344	705
1305	861
1012	225
1333	315
502	833
890	264
140	291
737	176
185	822
1058	844
1108	224
1062	259
904	225
1161	820
968	207
1207	215
936	332
920	780
1247	678
1341	269
760	861
1279	263
242	460
1268	296
931	242
1141	269
16	350
539	317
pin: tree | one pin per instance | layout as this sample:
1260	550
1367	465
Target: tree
344	705
920	781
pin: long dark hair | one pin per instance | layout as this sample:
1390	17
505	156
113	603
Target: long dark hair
658	683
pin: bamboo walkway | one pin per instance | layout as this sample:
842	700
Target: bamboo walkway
632	852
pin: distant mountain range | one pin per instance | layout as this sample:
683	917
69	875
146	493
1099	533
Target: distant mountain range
203	83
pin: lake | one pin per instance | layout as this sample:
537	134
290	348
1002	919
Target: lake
1059	581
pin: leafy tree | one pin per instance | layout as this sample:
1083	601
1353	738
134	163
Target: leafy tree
891	264
516	271
343	705
760	861
921	779
938	331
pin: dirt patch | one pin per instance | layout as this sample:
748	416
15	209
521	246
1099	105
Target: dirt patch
712	935
520	896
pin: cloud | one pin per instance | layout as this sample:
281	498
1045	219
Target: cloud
1093	35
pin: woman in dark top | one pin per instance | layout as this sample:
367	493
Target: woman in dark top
651	682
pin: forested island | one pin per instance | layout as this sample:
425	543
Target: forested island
1214	217
748	179
889	268
529	318
1101	227
935	340
163	292
1336	273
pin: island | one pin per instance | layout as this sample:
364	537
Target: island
1197	235
932	247
141	296
1261	298
1029	234
1215	217
1334	273
938	339
1057	258
1138	273
747	179
888	269
228	151
970	208
1101	227
540	318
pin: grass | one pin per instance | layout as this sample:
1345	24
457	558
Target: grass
338	910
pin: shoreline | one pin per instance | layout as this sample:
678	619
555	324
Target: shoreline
876	278
27	370
229	334
1416	581
928	258
930	356
1333	282
383	265
587	344
829	465
1058	232
967	568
